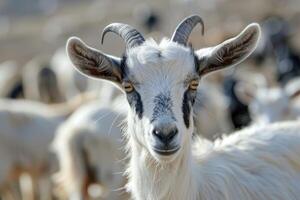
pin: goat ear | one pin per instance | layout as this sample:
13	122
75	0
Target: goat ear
229	53
92	62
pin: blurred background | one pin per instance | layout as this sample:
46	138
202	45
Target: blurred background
35	70
33	27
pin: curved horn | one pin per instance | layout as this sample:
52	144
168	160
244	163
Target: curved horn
184	29
129	34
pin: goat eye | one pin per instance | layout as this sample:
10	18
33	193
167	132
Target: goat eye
128	87
193	85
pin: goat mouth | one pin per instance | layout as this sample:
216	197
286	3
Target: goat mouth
166	152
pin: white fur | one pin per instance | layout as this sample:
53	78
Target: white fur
269	105
94	129
255	163
27	129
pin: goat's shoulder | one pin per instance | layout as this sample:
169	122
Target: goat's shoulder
252	160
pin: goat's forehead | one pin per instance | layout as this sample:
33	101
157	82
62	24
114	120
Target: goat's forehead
166	59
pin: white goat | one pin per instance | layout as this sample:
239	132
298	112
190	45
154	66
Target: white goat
269	105
88	146
27	129
160	81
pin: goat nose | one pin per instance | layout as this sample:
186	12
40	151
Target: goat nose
165	135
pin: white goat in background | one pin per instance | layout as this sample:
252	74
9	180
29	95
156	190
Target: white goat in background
160	81
27	129
88	146
271	104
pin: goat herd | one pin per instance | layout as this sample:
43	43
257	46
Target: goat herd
70	137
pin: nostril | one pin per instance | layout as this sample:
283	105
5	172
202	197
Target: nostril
165	137
172	134
157	134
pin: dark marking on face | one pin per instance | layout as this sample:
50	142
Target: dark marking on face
187	103
163	106
133	98
135	101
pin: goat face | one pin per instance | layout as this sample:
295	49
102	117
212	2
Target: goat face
162	91
160	80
